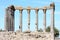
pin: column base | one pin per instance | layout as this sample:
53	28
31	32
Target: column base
36	31
27	31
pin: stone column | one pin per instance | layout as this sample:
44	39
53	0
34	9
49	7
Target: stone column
52	5
44	20
28	10
10	18
20	27
36	22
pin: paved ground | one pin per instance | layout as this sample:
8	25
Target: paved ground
57	38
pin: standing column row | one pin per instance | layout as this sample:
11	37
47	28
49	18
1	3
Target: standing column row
36	23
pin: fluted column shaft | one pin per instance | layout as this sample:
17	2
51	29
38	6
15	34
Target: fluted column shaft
44	20
52	23
52	20
20	19
28	10
36	22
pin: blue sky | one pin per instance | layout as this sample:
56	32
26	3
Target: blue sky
33	3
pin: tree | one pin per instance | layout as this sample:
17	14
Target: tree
40	30
56	31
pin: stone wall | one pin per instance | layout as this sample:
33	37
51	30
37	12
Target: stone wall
25	36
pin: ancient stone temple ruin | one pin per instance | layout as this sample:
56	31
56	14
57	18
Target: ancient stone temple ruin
9	33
